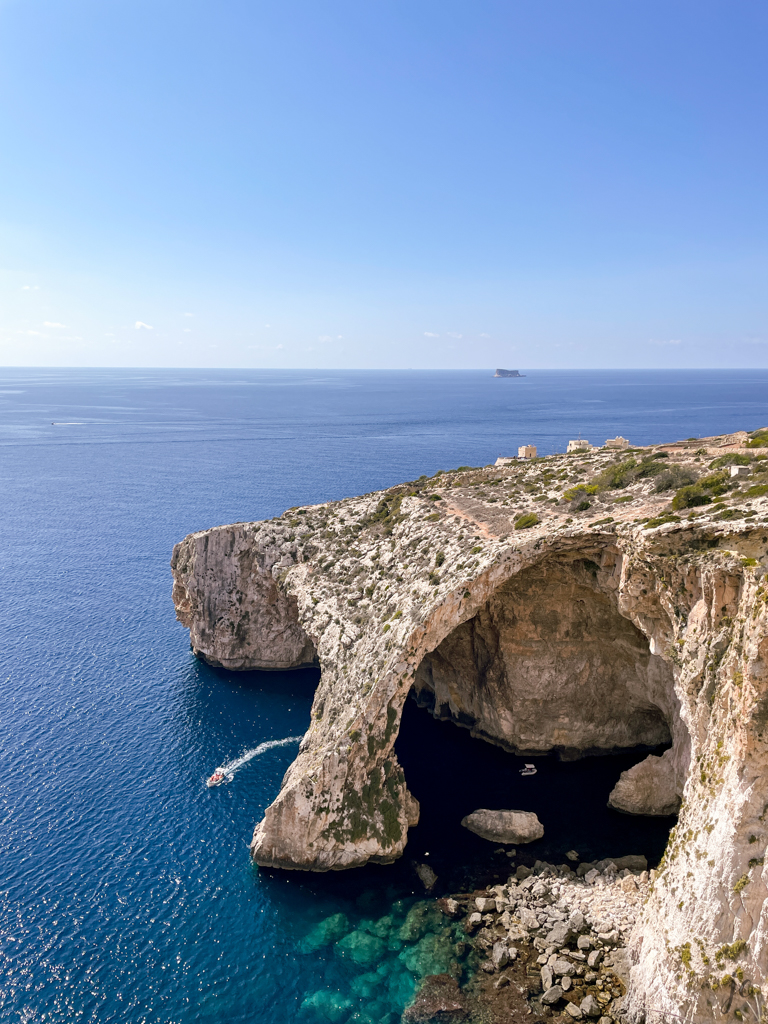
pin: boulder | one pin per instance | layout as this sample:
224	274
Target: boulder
563	968
504	826
552	995
547	978
649	787
499	955
427	876
590	1007
576	921
449	907
528	919
473	921
325	933
485	905
329	1006
364	949
560	935
573	1011
438	999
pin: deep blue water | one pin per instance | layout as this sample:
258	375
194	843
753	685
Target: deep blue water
126	892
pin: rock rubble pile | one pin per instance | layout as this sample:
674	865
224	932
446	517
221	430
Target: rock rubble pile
579	921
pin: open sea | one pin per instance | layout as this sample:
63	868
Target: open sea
126	890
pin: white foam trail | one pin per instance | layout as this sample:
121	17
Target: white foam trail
230	767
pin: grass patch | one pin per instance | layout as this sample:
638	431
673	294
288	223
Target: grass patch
526	521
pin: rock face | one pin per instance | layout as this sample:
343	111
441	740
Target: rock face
602	625
504	826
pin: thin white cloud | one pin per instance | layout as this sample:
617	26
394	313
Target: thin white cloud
672	341
140	326
30	287
49	323
267	325
325	337
485	335
451	334
189	314
430	334
37	334
187	330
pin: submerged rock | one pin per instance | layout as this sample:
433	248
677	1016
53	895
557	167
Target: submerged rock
330	1006
438	1000
504	826
325	933
361	947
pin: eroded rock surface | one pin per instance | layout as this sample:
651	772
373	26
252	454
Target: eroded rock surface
611	621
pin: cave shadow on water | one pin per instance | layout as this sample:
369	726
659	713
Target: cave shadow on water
451	774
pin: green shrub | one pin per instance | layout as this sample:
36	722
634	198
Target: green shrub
759	440
439	558
572	492
734	459
674	477
583	506
615	476
526	521
757	491
648	467
713	480
650	524
690	497
476	550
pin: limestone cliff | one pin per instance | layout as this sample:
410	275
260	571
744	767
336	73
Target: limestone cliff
555	605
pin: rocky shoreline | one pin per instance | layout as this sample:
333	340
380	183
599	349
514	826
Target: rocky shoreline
567	926
549	944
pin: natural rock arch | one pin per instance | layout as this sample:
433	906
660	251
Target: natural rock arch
694	590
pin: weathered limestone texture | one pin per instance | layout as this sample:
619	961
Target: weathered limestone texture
606	619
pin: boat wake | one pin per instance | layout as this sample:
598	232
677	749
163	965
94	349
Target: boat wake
226	772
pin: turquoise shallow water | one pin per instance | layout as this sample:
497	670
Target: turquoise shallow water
126	892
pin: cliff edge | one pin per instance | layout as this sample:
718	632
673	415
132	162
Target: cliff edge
575	603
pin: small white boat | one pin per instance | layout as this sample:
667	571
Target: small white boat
217	778
529	769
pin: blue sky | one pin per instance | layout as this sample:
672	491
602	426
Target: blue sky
426	183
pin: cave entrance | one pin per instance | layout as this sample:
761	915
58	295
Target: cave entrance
547	666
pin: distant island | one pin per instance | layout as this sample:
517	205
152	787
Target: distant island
508	373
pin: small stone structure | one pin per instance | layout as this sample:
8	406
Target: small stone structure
616	442
579	445
739	470
526	451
